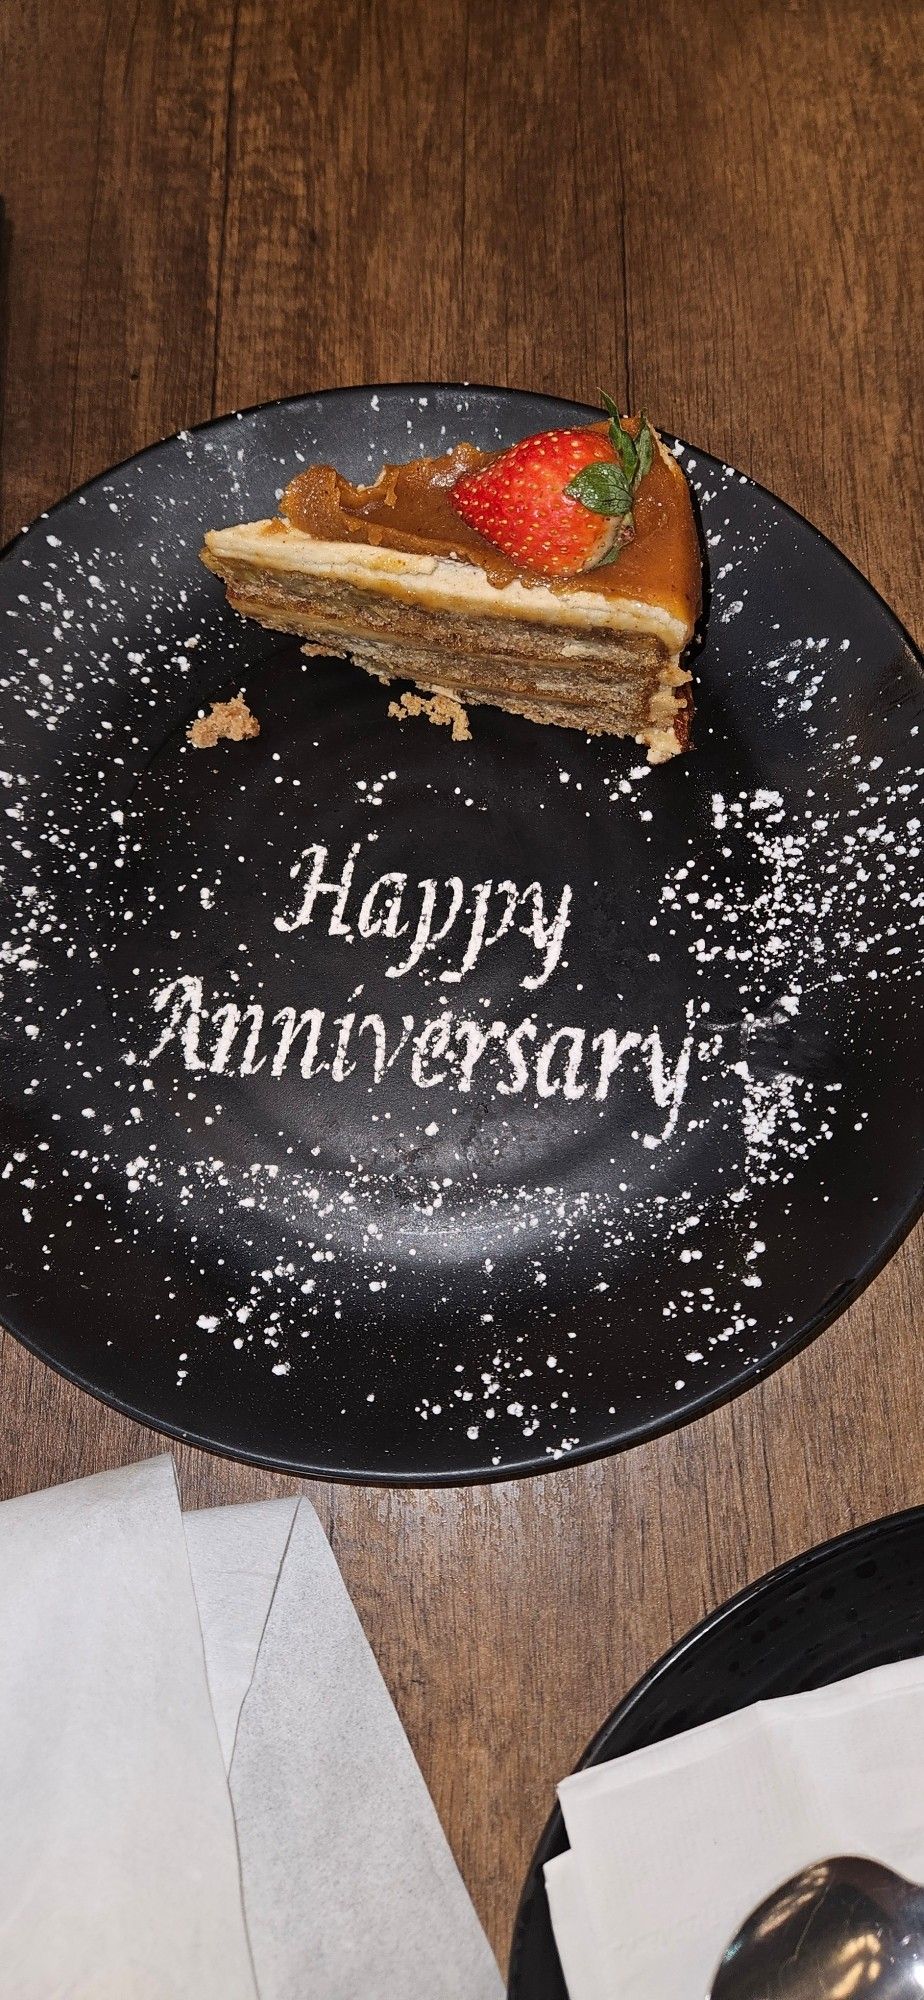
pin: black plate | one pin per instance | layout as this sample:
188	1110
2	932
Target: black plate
854	1603
391	1276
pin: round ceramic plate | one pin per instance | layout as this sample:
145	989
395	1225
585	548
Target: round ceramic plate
849	1605
390	1107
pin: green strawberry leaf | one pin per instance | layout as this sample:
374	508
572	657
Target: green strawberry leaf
603	487
624	447
623	444
620	543
635	455
644	446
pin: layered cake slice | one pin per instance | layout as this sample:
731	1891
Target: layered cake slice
559	579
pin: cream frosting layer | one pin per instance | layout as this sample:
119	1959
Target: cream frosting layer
435	583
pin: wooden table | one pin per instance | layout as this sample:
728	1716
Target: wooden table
714	210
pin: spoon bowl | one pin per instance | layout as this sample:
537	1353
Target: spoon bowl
844	1929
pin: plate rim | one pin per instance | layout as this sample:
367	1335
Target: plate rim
681	1413
751	1594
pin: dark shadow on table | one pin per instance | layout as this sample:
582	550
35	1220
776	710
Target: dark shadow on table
5	240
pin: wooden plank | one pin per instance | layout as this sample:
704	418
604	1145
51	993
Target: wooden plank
112	151
715	211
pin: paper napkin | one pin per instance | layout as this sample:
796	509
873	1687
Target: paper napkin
327	1795
118	1860
672	1846
142	1657
235	1554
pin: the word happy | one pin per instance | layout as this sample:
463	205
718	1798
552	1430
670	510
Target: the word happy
427	913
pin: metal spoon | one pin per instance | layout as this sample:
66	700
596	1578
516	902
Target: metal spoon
845	1929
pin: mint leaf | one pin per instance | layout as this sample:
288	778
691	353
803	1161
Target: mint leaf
602	487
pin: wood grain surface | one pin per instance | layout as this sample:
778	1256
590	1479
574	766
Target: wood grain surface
714	209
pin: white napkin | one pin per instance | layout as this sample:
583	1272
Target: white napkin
235	1554
672	1846
136	1663
118	1861
327	1795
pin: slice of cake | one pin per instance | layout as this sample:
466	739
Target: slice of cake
559	579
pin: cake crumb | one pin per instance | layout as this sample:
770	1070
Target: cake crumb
438	708
230	719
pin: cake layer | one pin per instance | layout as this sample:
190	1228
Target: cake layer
277	556
391	576
600	680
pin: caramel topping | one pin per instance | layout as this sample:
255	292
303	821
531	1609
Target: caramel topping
408	508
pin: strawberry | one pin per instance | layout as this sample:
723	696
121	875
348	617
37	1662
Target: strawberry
559	502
